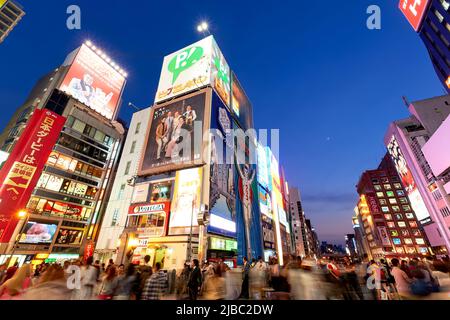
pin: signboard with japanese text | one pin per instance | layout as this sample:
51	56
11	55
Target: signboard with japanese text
22	170
414	11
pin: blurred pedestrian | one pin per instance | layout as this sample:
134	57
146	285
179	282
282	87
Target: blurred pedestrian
3	268
195	280
126	281
402	280
245	279
14	287
215	286
155	285
51	286
109	284
89	277
11	271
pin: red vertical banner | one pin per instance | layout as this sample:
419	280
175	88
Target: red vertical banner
88	250
24	166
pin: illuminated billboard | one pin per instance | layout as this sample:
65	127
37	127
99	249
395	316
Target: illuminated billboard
171	142
263	166
240	104
94	82
409	184
414	11
38	233
196	66
186	201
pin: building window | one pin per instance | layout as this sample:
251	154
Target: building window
439	16
397	186
127	169
133	147
393	201
390	194
380	194
138	128
400	193
387	186
115	218
121	191
377	187
445	4
383	201
385	209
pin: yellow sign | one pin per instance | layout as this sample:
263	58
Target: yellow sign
2	2
20	175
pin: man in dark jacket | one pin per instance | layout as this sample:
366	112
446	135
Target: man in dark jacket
245	282
195	280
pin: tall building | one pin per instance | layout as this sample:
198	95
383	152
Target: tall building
361	241
350	245
298	222
405	140
431	19
387	218
10	14
68	201
117	211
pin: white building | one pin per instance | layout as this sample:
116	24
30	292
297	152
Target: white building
298	222
116	214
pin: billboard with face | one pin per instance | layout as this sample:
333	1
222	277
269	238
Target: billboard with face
94	82
407	178
414	11
175	135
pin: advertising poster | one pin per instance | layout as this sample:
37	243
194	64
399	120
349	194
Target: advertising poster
185	70
69	237
94	82
140	193
221	74
240	104
186	201
263	167
384	236
248	217
373	203
171	142
20	173
38	233
222	204
408	181
265	203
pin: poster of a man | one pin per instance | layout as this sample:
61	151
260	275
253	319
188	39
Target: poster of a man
171	139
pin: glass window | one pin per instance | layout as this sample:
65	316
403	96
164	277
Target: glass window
390	194
409	215
396	208
406	208
54	183
420	241
53	158
380	194
388	217
408	241
397	186
121	191
383	201
416	232
394	233
399	216
138	128
391	224
385	209
43	180
392	201
413	224
396	241
32	204
384	180
400	193
133	147
387	187
402	224
115	218
99	136
405	232
78	126
375	181
377	187
127	168
403	200
161	192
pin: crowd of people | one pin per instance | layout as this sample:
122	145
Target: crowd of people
298	279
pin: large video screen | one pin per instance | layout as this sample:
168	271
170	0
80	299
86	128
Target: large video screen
94	82
171	142
38	233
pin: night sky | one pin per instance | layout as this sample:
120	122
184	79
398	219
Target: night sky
311	69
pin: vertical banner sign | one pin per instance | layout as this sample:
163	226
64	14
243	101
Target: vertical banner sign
414	11
23	168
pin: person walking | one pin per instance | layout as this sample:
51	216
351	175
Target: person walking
402	280
52	286
14	287
214	288
89	275
245	281
195	280
109	284
155	285
124	289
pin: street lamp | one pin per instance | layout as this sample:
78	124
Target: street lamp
203	27
22	215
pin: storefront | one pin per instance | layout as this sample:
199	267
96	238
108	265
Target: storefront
222	248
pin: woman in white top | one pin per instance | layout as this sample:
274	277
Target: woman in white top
402	281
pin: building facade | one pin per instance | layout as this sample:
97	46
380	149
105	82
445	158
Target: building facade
72	192
387	219
10	14
298	222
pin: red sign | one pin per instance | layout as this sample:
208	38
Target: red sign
63	208
149	208
413	11
88	250
24	166
94	82
372	202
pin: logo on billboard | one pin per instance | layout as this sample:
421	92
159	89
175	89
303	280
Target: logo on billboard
184	60
413	11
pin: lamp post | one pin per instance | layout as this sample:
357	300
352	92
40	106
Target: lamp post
203	28
22	215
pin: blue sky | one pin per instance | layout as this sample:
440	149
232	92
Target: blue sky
311	69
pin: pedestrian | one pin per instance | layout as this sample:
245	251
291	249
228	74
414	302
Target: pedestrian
126	281
51	286
405	268
14	287
155	285
109	284
402	280
89	277
245	279
195	280
215	286
182	282
3	268
11	271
